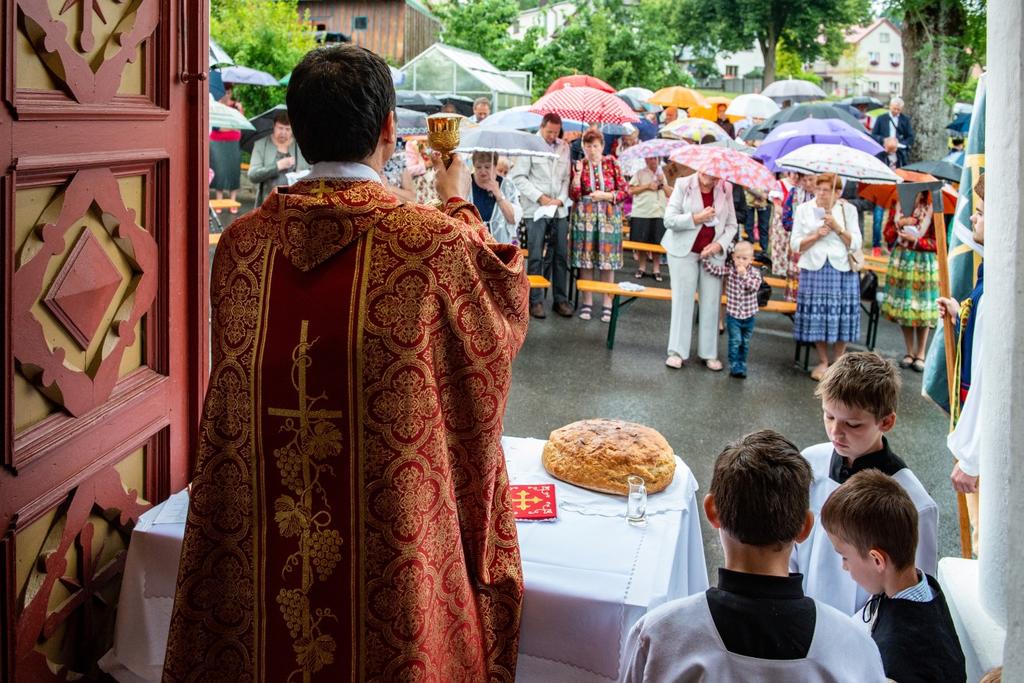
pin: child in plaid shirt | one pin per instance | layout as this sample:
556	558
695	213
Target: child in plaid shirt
742	281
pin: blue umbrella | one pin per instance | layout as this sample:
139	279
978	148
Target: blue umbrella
788	137
960	124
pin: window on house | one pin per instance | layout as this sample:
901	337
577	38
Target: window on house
873	86
732	71
883	37
894	58
873	57
894	87
360	23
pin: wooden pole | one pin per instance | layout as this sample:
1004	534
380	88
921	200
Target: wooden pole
953	382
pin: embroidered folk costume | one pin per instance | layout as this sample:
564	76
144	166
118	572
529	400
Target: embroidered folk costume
349	515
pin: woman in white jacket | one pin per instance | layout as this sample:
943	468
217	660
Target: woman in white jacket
825	231
700	222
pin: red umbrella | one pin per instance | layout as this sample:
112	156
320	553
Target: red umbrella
579	80
585	104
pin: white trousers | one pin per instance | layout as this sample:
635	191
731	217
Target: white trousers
688	278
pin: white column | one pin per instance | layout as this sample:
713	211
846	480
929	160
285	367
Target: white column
1002	463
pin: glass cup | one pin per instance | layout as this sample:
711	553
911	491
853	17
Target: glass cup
636	501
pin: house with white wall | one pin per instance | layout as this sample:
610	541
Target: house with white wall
549	17
872	63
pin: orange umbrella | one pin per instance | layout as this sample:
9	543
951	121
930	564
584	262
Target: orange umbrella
886	195
710	112
678	96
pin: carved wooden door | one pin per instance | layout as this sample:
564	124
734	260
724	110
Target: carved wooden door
103	146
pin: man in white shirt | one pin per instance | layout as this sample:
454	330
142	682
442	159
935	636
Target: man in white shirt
544	193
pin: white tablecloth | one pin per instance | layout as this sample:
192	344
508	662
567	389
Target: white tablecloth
589	576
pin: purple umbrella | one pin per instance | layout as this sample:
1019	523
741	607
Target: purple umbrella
788	137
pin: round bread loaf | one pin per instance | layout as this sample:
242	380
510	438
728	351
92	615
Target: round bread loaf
601	454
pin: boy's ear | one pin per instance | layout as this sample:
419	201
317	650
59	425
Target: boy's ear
808	526
712	512
388	129
887	423
879	559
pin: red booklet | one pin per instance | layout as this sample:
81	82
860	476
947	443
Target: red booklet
533	501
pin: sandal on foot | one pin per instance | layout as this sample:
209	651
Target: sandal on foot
918	365
674	361
713	364
606	315
585	312
640	274
907	361
658	277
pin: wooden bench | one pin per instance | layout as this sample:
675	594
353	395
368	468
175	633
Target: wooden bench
629	245
623	297
539	282
221	204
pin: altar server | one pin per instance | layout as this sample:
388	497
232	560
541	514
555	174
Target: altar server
872	524
757	625
859	396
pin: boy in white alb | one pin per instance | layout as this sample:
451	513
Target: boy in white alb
859	396
757	625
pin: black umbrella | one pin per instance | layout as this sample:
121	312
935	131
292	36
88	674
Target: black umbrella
850	109
813	110
410	122
419	101
463	105
871	102
264	126
943	170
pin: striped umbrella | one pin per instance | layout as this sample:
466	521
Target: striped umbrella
843	161
585	104
658	147
693	129
727	164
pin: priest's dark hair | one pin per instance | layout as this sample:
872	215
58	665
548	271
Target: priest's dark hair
761	489
338	99
872	511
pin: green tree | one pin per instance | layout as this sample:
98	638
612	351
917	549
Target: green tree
789	65
268	35
811	28
936	34
479	26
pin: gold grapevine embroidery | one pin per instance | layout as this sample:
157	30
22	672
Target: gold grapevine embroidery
306	515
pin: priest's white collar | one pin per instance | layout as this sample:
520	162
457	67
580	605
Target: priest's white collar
344	170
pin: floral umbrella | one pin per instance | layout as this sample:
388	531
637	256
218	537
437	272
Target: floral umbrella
658	147
886	195
843	161
727	164
678	96
578	80
693	129
585	104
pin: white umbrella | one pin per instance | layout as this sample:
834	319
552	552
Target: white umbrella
503	141
218	56
793	89
642	94
843	161
521	118
223	116
752	106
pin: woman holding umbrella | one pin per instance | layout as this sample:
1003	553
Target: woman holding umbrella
825	231
597	190
912	280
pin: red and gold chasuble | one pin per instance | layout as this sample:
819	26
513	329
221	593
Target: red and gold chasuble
350	517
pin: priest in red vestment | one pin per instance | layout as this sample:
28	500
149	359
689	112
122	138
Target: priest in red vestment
349	515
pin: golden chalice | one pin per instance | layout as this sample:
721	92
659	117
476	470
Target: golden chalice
443	134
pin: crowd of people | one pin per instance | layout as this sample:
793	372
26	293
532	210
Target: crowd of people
572	212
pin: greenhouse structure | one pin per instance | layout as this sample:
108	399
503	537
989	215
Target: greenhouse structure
443	69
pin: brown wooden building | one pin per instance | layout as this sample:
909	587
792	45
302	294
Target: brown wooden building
398	30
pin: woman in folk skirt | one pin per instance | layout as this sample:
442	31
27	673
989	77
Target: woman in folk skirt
597	190
912	280
825	231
